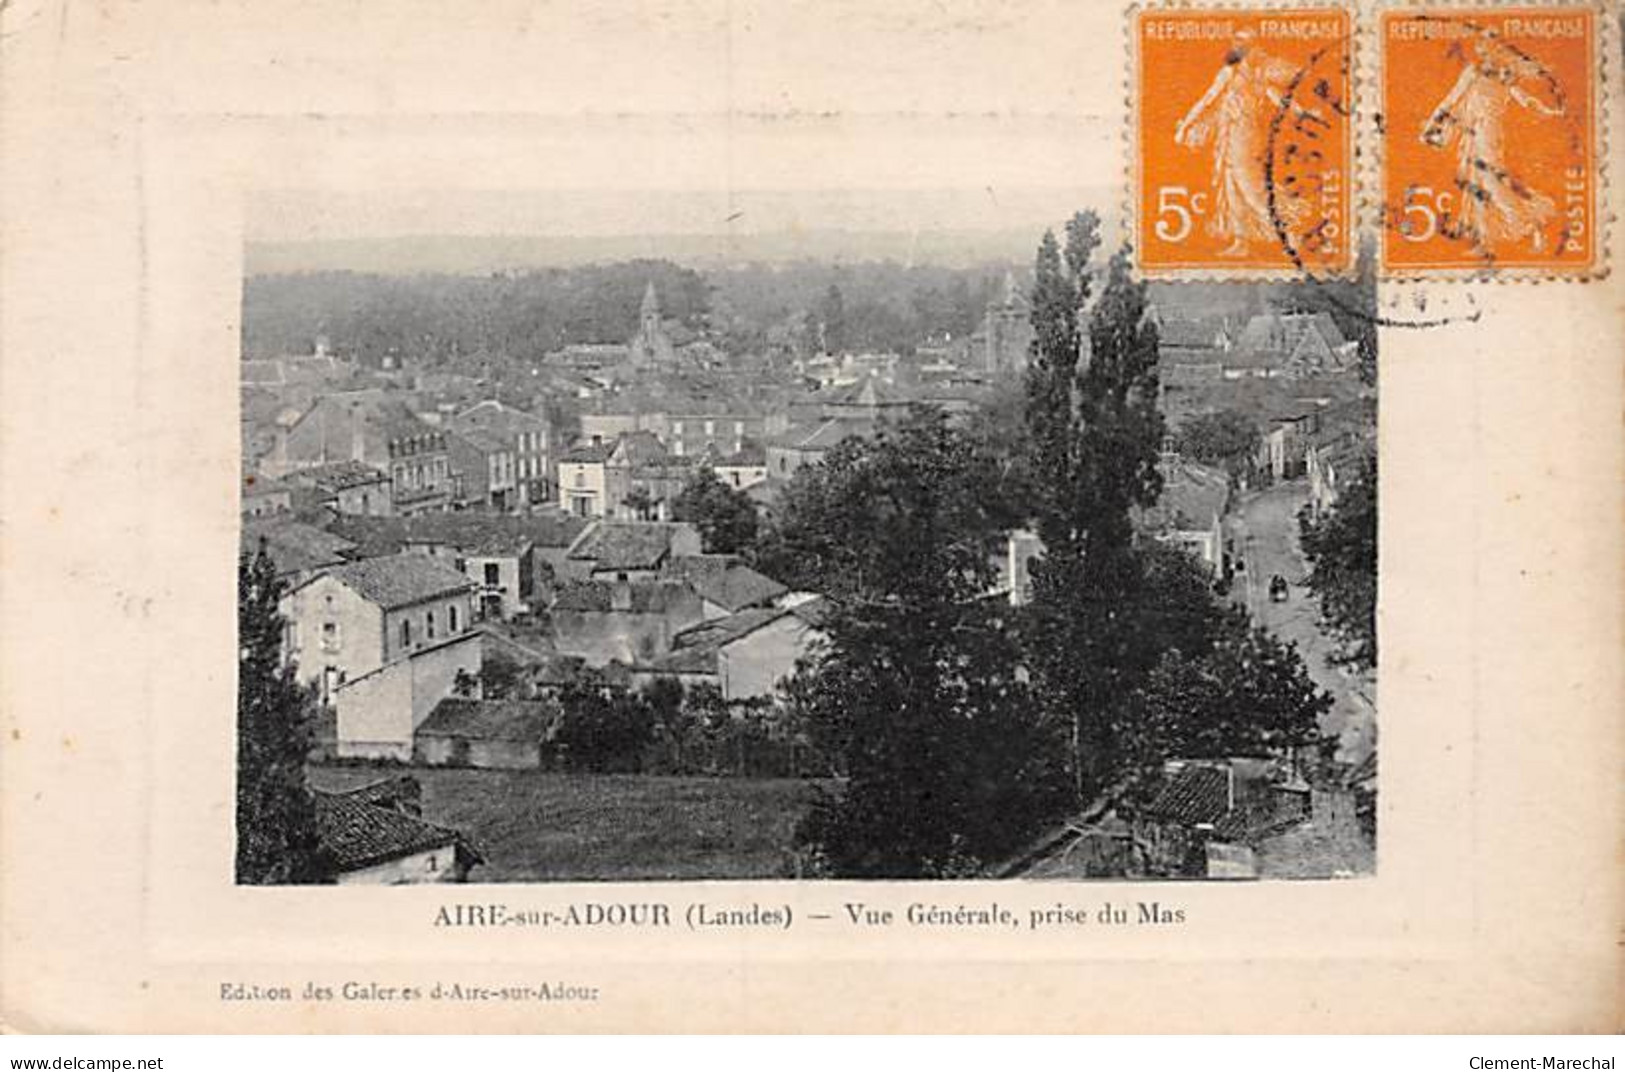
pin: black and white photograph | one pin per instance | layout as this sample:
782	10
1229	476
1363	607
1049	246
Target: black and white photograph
729	518
801	535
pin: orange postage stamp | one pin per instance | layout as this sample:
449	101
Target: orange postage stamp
1243	141
1489	141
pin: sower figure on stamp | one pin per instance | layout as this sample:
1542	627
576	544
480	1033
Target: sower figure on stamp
1235	114
1496	207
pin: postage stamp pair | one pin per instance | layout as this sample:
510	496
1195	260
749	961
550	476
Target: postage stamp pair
1478	130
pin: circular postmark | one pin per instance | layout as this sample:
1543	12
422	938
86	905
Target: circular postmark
1306	187
1307	196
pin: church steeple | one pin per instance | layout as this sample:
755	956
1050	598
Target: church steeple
650	315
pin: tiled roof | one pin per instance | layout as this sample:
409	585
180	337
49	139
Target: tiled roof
403	794
728	584
355	834
389	417
378	536
1196	795
720	632
336	476
625	545
492	720
553	527
374	537
495	417
643	597
588	455
824	434
677	467
294	547
639	448
401	580
481	535
816	612
1282	332
1189	334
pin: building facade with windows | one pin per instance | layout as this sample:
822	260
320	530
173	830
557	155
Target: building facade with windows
527	437
356	618
583	481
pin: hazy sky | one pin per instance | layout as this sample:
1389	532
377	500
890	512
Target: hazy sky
304	215
619	176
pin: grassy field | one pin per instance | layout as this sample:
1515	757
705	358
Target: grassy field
538	827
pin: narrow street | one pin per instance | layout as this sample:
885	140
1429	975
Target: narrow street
1266	532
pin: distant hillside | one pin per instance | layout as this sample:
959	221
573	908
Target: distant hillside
483	255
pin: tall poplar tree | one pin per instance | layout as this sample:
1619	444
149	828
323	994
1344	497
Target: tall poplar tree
277	841
1096	432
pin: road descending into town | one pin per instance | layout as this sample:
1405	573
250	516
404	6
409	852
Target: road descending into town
1266	532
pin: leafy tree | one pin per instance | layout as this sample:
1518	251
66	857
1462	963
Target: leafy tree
725	517
641	503
999	427
1172	608
602	729
1227	438
673	727
843	528
462	320
918	693
1096	432
949	763
500	676
277	841
1342	553
1249	695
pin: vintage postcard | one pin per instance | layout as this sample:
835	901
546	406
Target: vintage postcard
878	518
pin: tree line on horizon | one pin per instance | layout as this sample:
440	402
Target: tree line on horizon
442	319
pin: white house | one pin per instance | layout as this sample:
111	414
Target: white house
583	481
385	639
746	655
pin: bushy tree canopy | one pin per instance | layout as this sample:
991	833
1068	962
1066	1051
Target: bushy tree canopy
1342	553
277	841
725	517
1247	695
948	762
1227	438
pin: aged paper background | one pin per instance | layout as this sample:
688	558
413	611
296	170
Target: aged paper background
132	138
